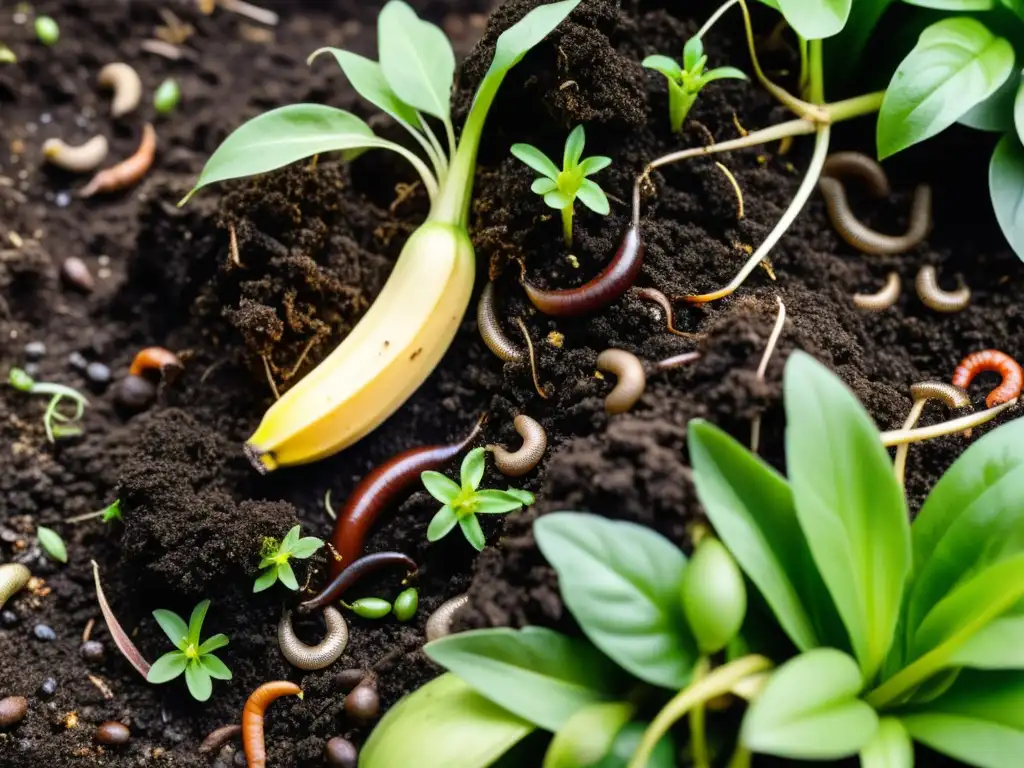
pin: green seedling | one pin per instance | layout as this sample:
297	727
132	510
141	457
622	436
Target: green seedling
406	604
463	503
193	658
52	544
7	56
369	607
276	554
47	30
107	514
686	81
166	96
560	189
57	425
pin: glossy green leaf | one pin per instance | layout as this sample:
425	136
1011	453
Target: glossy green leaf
593	197
286	576
447	720
543	185
626	743
525	497
416	59
167	667
850	506
809	710
962	6
474	534
536	159
173	626
195	621
306	547
213	643
574	146
723	73
290	539
816	19
265	580
956	64
557	200
441	523
52	543
1006	188
996	112
714	596
621	582
214	667
495	502
1018	105
472	471
891	747
367	78
594	164
667	66
588	735
536	673
998	645
442	488
199	682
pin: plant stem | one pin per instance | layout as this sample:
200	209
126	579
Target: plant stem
900	462
902	436
865	104
773	339
715	17
717	683
698	737
567	225
437	161
763	136
740	758
679	104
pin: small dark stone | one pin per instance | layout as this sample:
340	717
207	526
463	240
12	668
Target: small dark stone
12	710
341	752
93	651
113	734
44	633
134	393
35	350
348	679
32	369
98	373
173	734
8	619
48	688
363	704
76	274
77	361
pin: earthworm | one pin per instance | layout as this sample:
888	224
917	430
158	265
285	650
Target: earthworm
677	361
533	358
127	172
991	360
659	298
867	240
218	738
440	622
153	359
382	488
631	379
84	157
13	576
535	442
355	572
883	299
613	281
318	656
934	297
252	718
921	393
126	84
843	165
490	328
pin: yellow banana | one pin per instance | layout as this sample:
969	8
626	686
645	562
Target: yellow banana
382	361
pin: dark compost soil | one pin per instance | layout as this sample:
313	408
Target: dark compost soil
315	247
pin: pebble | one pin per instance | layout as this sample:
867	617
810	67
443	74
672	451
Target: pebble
44	633
113	734
134	393
92	651
62	199
240	760
98	373
77	361
32	369
76	274
363	704
12	710
35	350
341	752
348	679
48	688
8	619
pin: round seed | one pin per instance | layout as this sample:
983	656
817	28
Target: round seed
406	604
48	688
167	95
12	710
77	275
47	30
8	619
134	393
98	373
35	350
92	651
348	679
44	633
113	734
341	752
371	607
363	703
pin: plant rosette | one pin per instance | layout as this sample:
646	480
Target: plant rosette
275	557
193	658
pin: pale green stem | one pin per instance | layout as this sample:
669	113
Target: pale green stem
900	462
698	737
567	225
438	162
87	516
740	758
450	130
432	138
901	436
429	182
715	17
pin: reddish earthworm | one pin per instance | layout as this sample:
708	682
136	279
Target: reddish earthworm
535	442
153	359
883	299
127	172
659	298
354	573
490	328
991	360
844	165
952	396
218	738
382	488
867	240
934	297
631	379
324	653
13	576
440	622
252	718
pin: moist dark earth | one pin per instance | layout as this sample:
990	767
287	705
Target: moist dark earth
315	246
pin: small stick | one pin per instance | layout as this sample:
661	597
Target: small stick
121	639
302	357
736	188
88	631
901	436
233	247
327	505
270	377
533	360
773	339
101	684
257	14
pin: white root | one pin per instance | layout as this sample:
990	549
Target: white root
126	84
85	157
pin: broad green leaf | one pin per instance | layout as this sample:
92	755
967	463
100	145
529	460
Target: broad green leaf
809	710
626	743
593	164
667	66
543	185
447	720
557	200
474	534
843	52
214	667
1006	187
52	543
495	502
751	507
956	64
441	523
574	147
996	112
536	159
367	78
517	40
621	582
305	547
1018	106
265	580
723	73
290	539
472	470
593	197
964	6
442	488
525	497
167	667
816	19
588	735
693	52
211	644
996	696
287	576
195	621
173	626
999	645
850	506
536	673
416	59
199	682
891	747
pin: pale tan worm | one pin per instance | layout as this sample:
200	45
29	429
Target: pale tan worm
631	379
440	622
324	653
883	299
844	165
127	86
490	328
934	297
13	576
84	157
535	442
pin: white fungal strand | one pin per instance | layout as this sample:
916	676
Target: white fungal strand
324	653
85	157
126	84
440	622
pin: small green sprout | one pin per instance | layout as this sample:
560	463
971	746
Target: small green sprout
7	56
463	504
276	555
166	96
52	543
369	607
194	658
561	188
107	514
54	431
47	30
684	83
406	604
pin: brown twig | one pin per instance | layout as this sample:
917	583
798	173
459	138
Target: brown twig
533	360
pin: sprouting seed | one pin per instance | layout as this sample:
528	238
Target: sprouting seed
47	30
166	96
406	604
52	543
370	607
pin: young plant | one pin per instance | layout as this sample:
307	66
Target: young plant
462	503
192	657
52	543
403	336
276	554
57	424
561	188
107	515
685	82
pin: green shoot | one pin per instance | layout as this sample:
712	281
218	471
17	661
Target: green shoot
107	514
57	425
561	188
52	543
276	554
193	658
463	503
685	82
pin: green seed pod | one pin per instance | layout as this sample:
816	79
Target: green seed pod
406	604
714	596
166	96
47	30
370	608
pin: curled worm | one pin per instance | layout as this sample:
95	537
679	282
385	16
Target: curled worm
318	656
153	359
218	738
13	576
252	718
991	360
948	394
659	298
126	84
84	157
867	240
535	442
440	622
934	297
127	172
844	165
883	299
354	573
631	379
490	328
